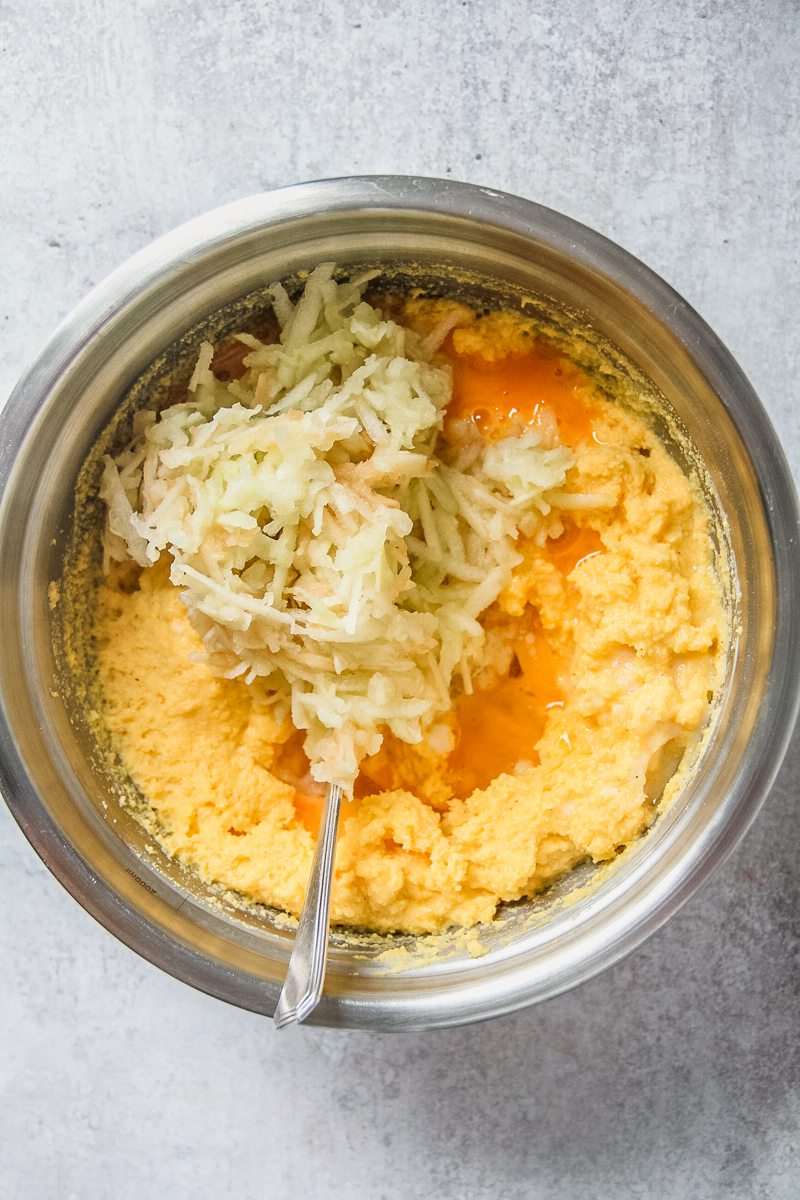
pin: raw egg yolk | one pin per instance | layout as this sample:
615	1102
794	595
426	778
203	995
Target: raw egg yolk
573	547
499	727
504	396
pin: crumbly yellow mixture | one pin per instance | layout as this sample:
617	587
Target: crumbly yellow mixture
638	627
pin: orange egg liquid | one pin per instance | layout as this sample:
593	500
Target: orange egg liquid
521	391
574	546
498	727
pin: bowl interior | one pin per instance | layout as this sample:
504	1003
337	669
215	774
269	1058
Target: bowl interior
142	329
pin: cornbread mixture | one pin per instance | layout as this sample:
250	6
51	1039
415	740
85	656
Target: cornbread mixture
598	661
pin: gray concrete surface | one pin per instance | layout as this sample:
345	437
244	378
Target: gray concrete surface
673	128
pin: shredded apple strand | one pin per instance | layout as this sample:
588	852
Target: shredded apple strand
319	541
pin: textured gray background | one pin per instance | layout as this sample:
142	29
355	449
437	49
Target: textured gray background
673	128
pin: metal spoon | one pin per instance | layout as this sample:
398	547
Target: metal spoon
302	987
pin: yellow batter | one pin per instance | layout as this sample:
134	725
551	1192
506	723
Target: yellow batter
623	615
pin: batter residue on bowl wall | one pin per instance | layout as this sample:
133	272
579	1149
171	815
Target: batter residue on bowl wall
603	656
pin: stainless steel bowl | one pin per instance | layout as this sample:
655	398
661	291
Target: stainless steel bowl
62	802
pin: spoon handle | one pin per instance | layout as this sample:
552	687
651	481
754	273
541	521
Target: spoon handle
302	987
